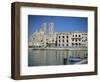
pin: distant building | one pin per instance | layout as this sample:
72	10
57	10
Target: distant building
57	39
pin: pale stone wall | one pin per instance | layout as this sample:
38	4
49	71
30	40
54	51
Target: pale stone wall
59	39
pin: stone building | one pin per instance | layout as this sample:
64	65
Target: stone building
42	38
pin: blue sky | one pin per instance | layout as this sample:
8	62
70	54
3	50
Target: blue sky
61	23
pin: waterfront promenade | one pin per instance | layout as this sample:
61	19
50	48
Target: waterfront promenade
58	48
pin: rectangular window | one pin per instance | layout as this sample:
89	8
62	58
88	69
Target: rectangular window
66	36
66	44
72	39
76	40
52	40
59	44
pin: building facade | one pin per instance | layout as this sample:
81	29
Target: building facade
42	38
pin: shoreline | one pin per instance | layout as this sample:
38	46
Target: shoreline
58	48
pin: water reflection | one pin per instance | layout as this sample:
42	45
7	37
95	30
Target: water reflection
56	57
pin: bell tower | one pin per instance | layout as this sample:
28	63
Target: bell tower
51	27
43	27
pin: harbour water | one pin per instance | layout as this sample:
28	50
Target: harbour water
56	57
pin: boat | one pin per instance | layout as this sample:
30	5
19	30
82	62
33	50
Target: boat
73	60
